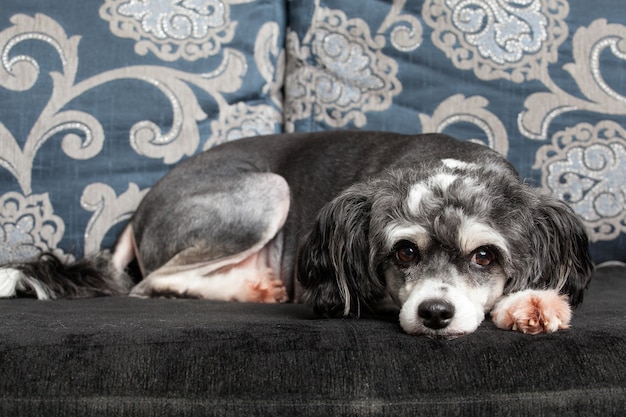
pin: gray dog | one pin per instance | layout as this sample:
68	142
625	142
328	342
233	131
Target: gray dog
444	229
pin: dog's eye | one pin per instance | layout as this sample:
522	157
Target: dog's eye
483	256
406	252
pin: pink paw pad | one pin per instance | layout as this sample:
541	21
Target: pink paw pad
533	312
268	290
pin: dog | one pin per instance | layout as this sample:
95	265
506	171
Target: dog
345	221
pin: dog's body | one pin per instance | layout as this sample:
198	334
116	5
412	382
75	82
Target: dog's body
445	228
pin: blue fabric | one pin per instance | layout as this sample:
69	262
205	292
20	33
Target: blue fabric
124	70
135	66
521	77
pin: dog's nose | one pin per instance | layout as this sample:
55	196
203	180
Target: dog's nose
435	314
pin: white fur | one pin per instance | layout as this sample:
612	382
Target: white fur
442	181
456	164
421	193
125	249
470	304
230	284
474	234
9	278
413	233
223	279
12	279
555	319
418	193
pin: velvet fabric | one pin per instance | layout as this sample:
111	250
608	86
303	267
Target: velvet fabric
126	356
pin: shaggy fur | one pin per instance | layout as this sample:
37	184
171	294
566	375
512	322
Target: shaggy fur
445	229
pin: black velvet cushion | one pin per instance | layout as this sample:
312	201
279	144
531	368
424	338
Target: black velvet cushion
126	356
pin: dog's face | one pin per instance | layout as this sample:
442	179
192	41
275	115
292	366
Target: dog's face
443	291
445	265
444	242
446	256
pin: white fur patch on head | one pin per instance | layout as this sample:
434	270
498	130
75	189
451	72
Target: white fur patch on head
473	234
418	193
456	164
441	181
421	193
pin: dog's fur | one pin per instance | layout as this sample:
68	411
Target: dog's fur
444	228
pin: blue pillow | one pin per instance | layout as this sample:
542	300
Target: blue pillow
99	99
541	82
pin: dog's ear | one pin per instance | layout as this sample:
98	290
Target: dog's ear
560	249
334	265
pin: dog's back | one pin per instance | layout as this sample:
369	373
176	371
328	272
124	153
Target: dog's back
254	196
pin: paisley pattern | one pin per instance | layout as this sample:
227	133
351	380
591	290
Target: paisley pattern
28	226
337	72
93	110
473	110
585	166
196	111
490	47
172	29
509	39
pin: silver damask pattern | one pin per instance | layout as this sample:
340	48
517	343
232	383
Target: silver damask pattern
241	120
108	209
508	39
27	226
28	223
588	44
337	72
173	29
473	110
585	166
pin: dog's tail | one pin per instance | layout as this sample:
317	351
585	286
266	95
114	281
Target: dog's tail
48	277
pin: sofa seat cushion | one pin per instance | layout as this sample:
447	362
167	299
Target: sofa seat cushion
127	356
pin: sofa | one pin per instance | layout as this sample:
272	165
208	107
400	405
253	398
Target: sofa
99	98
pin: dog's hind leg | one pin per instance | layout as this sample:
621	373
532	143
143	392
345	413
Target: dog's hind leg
221	241
125	250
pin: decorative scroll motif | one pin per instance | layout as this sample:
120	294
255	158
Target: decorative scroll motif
585	166
510	39
241	120
458	109
109	209
338	73
172	29
28	226
267	50
82	135
598	96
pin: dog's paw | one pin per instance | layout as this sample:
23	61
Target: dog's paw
268	290
532	312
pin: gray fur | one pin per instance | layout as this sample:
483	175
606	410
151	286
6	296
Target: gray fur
345	189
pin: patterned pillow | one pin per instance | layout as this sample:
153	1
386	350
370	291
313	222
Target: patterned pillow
99	98
540	81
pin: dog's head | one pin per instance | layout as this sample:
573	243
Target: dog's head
445	242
